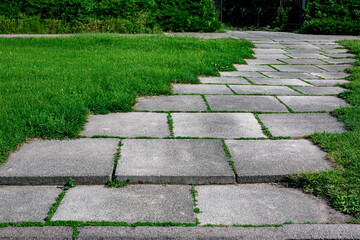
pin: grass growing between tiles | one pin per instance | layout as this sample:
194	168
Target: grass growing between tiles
340	185
49	85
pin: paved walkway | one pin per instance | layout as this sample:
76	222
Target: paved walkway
234	137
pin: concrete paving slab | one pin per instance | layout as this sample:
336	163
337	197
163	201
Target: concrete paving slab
302	46
135	203
305	51
241	74
308	55
247	68
302	61
260	204
293	231
54	232
320	90
221	125
270	90
137	125
334	50
26	204
343	60
331	75
174	161
336	68
298	68
245	103
201	89
290	75
87	161
341	55
300	124
270	56
172	103
268	45
313	103
327	83
262	61
259	161
279	82
269	51
224	80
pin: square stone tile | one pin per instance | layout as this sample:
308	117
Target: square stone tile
290	75
302	61
262	61
260	204
174	161
279	82
336	68
327	83
300	124
245	103
26	204
131	124
87	161
320	90
247	68
224	80
241	74
271	160
313	103
221	125
270	90
134	203
331	75
172	103
298	68
201	89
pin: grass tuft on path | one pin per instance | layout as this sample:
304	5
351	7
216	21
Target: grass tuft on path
48	86
341	186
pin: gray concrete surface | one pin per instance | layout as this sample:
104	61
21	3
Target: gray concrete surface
27	233
320	90
241	74
313	103
327	83
302	61
289	75
269	90
137	125
26	203
260	204
279	82
172	103
271	160
135	203
201	89
174	161
224	80
221	125
298	68
331	75
245	103
300	124
49	162
247	68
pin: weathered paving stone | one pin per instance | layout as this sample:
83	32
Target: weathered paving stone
336	68
300	124
174	161
290	231
332	75
320	90
327	83
279	82
247	68
341	55
334	50
87	161
135	203
269	51
271	160
302	61
304	51
172	103
241	74
270	56
289	75
262	61
54	232
270	90
224	80
26	203
137	125
308	55
222	125
201	89
343	60
298	68
260	204
245	103
313	103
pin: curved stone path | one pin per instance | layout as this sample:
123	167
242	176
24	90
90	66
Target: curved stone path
233	137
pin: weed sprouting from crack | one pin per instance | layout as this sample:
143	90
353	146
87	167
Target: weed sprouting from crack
228	154
194	194
171	125
263	127
206	102
117	184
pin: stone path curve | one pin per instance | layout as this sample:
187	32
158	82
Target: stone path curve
233	137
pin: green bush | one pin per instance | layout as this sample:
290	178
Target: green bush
124	16
332	26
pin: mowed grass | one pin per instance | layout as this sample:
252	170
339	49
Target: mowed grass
341	185
48	86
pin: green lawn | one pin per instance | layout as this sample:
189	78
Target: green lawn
341	185
48	86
